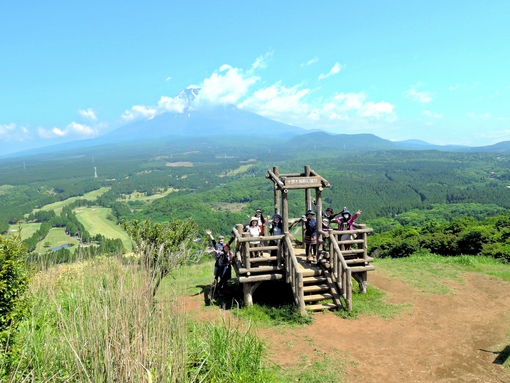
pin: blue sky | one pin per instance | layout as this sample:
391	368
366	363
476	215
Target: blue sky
431	70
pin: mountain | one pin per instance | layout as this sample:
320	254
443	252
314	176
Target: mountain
500	147
323	140
423	145
209	120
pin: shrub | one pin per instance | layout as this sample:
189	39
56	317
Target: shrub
13	284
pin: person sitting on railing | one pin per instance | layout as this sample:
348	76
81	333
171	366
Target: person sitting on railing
346	222
275	228
218	247
254	230
310	236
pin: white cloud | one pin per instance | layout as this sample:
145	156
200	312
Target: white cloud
453	87
88	114
228	86
336	69
293	104
310	62
139	112
484	116
74	129
277	100
261	62
429	113
168	78
13	132
415	95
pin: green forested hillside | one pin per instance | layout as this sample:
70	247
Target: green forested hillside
392	188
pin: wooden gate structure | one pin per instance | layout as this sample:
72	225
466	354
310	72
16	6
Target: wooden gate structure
326	285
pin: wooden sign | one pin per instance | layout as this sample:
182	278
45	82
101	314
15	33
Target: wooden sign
302	182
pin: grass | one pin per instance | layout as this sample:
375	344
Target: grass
433	274
95	322
136	196
372	303
241	169
95	221
27	229
267	316
56	237
323	368
57	206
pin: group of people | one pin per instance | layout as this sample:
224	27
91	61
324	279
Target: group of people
344	219
224	256
257	224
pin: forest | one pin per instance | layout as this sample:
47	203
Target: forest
396	189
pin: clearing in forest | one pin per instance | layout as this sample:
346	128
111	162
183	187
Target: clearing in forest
96	222
180	164
137	196
57	206
27	229
56	237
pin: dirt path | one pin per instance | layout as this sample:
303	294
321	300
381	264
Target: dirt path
442	338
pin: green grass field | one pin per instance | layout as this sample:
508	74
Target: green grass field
27	229
56	237
136	196
5	187
57	206
95	222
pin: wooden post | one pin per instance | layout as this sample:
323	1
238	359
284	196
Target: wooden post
248	289
285	212
277	207
318	212
246	252
308	192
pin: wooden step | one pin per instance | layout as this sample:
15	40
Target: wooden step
315	288
314	280
263	259
311	272
356	269
322	307
317	297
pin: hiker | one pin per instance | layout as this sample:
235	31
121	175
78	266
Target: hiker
218	247
346	222
225	258
327	218
261	220
310	236
254	229
275	228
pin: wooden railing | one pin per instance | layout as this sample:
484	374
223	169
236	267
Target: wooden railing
341	270
294	275
246	263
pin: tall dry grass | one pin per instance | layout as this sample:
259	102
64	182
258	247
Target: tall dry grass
96	321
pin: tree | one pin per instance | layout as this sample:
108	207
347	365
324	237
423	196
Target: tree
161	247
13	284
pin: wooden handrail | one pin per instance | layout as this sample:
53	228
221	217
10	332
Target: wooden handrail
294	276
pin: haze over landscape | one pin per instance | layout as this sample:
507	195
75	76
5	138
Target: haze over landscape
430	71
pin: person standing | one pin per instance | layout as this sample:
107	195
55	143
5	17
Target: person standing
275	228
217	249
254	230
310	237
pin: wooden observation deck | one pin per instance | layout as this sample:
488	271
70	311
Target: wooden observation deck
325	285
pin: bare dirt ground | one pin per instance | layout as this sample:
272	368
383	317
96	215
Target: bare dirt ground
441	338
